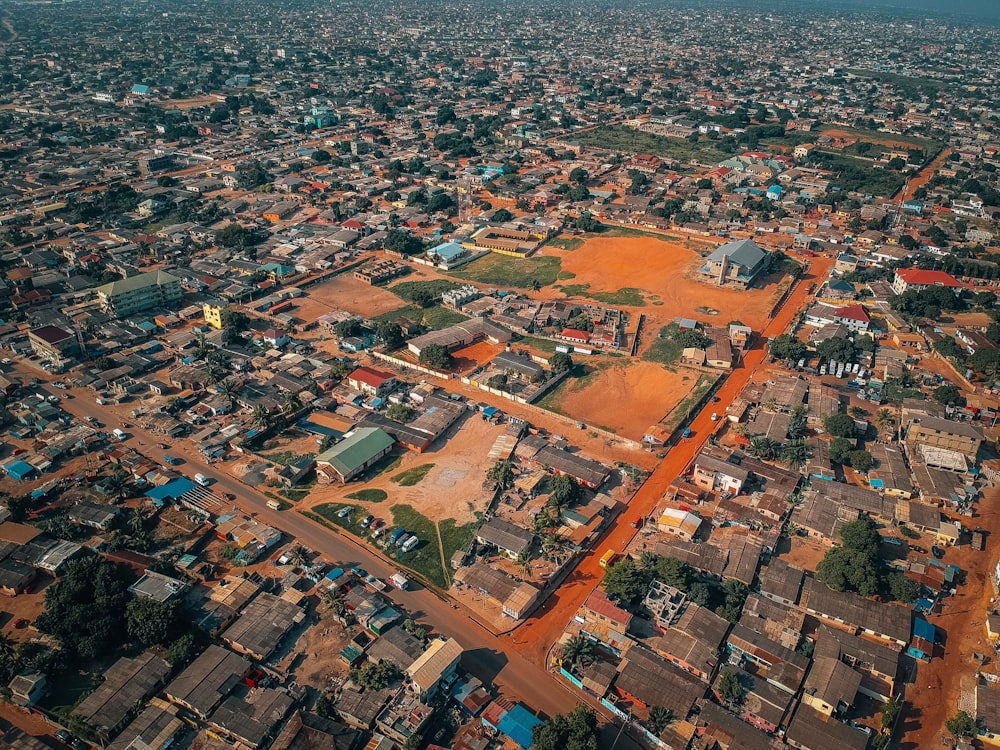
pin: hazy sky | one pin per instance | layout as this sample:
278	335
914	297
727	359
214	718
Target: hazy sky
981	9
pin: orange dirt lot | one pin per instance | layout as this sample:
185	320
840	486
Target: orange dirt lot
471	357
626	398
344	292
664	271
886	141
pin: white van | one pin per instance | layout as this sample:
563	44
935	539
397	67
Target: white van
274	504
202	480
119	433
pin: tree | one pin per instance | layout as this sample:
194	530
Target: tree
436	357
901	588
501	474
376	676
579	175
497	382
837	349
860	460
844	569
986	361
840	425
659	719
764	448
861	535
390	334
795	453
890	711
729	688
673	572
401	413
502	216
564	492
292	403
840	450
624	581
797	422
235	235
577	649
85	609
19	506
948	347
885	419
561	362
152	622
404	243
787	347
962	724
948	395
261	417
577	730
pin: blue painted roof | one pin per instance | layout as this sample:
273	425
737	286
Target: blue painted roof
20	469
140	88
448	250
172	489
923	629
517	724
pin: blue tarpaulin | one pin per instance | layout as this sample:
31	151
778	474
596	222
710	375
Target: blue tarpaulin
924	630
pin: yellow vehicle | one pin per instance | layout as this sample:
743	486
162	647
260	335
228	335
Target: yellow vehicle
609	557
274	504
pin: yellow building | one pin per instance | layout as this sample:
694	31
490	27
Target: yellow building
215	315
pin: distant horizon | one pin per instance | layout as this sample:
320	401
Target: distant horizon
988	10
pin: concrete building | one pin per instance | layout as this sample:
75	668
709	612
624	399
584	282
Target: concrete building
53	343
156	289
433	667
353	455
734	264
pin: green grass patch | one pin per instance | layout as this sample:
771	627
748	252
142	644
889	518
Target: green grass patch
426	557
442	317
410	312
665	349
286	458
574	290
680	411
299	492
550	401
856	175
503	270
566	243
630	140
415	291
629	296
412	476
369	495
542	345
911	87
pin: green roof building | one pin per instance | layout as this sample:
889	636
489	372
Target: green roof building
156	289
352	455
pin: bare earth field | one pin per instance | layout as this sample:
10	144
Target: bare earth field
452	489
664	271
345	292
626	397
471	357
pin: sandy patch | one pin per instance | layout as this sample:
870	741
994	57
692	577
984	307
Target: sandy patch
664	271
452	489
344	292
474	356
626	397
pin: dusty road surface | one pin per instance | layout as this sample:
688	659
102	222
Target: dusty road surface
922	177
537	634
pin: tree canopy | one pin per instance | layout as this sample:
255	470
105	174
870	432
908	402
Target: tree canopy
577	730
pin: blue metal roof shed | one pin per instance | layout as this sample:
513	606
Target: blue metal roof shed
20	470
518	723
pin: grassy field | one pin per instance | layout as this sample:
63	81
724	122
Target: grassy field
426	557
623	138
412	476
503	270
857	175
412	291
369	495
910	86
665	349
436	317
680	412
542	345
565	243
285	458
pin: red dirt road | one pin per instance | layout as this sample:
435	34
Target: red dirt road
536	635
922	177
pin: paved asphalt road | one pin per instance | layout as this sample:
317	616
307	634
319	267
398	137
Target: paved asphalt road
488	657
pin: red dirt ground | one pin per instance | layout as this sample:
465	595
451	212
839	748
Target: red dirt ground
344	292
626	398
664	271
924	175
471	357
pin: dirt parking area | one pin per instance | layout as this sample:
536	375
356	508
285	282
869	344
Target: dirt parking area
451	488
472	357
626	397
344	292
664	271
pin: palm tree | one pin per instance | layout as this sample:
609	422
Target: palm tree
299	556
117	483
795	454
292	403
885	419
229	388
7	650
554	547
770	405
576	649
660	718
764	448
137	521
524	563
535	286
501	473
741	429
261	417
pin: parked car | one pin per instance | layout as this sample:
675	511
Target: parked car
937	552
344	512
20	623
367	521
62	734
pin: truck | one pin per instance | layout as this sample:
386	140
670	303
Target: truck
396	534
119	433
274	504
375	583
202	480
399	580
608	558
170	460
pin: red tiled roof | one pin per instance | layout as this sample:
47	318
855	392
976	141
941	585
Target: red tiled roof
370	376
598	602
853	312
929	278
573	333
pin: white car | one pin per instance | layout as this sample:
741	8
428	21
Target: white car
344	512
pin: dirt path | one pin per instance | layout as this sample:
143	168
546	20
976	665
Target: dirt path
444	563
922	177
936	694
